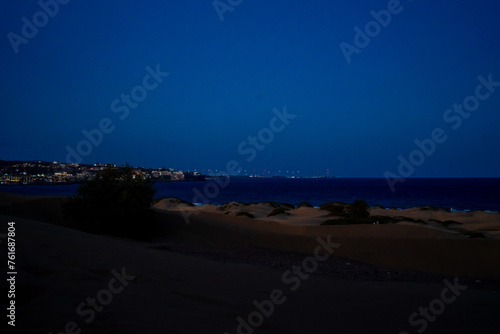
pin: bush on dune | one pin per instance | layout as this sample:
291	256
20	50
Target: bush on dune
116	202
245	213
371	220
357	212
278	211
358	209
278	205
335	208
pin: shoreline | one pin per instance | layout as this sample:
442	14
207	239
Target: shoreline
454	194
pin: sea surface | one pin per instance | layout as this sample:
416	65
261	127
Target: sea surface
456	194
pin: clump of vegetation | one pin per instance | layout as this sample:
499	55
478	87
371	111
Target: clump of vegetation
225	206
358	209
277	205
304	204
446	223
245	213
371	220
287	205
474	235
181	201
433	208
335	208
116	201
231	205
278	211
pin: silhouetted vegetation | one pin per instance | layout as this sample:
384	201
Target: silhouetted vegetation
116	201
433	208
335	208
474	235
304	204
278	211
371	220
280	205
230	205
446	222
245	213
358	209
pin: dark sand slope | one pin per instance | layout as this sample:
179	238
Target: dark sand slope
59	268
396	246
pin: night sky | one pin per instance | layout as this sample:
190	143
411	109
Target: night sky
170	84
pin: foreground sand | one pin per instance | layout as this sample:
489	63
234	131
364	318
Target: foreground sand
60	268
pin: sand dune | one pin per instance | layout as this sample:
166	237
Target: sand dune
430	247
457	223
59	268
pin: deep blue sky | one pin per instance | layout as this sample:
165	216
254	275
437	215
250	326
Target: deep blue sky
226	77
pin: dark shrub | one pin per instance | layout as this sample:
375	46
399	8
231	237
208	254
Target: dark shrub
304	204
279	205
358	209
181	201
366	220
474	235
288	206
336	209
278	211
446	223
115	202
245	213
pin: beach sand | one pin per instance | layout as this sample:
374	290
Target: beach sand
202	276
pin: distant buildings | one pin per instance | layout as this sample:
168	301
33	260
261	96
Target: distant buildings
42	172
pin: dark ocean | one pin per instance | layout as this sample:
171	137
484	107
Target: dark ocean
456	194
